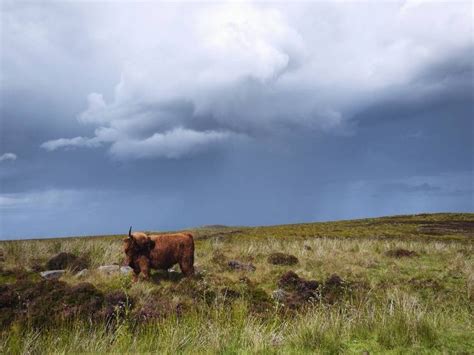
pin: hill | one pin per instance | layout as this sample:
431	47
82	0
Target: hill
392	284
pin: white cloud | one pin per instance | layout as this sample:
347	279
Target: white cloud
71	143
172	144
7	156
96	111
252	68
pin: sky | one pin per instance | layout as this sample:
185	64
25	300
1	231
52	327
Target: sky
169	115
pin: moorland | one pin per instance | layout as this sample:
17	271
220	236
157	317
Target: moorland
399	284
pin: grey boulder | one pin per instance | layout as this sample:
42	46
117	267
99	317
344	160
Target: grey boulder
109	269
52	274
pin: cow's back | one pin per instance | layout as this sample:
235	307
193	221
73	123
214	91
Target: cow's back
171	249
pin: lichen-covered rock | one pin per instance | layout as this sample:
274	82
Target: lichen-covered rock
109	269
52	274
237	265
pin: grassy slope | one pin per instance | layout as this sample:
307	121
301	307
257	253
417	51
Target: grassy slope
421	304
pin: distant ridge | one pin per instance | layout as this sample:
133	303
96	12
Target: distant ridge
214	226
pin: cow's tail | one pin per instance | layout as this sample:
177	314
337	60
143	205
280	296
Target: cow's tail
191	237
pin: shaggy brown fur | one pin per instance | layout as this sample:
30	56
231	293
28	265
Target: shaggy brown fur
144	252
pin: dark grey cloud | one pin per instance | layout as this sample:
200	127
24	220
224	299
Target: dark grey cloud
256	69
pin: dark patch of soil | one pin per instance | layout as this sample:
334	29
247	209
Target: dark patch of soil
334	289
448	227
259	301
401	253
158	307
230	293
51	301
334	281
298	290
282	259
116	305
194	289
64	260
295	291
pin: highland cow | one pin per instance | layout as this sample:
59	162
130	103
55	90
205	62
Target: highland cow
144	252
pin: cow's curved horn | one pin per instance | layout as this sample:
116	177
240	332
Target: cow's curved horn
130	232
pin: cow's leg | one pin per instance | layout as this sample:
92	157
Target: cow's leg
186	266
144	266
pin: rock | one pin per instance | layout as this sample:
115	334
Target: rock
82	273
126	270
237	265
109	269
52	274
279	295
282	259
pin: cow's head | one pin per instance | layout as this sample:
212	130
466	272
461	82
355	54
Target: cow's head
135	245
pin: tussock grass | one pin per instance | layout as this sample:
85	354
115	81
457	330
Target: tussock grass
420	304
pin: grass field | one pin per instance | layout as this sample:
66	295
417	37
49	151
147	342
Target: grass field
383	302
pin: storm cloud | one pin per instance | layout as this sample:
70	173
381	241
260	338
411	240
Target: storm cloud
252	69
223	104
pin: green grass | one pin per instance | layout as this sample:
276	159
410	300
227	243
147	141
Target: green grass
395	305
